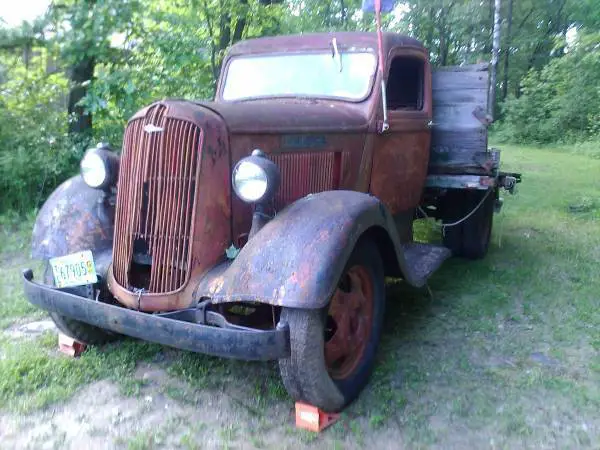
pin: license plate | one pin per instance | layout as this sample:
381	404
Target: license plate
75	269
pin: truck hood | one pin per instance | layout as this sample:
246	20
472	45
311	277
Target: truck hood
291	116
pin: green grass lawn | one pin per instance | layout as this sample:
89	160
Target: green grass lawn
499	353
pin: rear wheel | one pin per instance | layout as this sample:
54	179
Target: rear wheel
333	349
80	331
470	238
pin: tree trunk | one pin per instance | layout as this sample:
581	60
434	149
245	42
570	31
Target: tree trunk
27	53
240	24
81	74
443	50
430	28
487	47
79	120
495	52
507	49
227	29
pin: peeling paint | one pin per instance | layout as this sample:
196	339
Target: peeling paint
74	218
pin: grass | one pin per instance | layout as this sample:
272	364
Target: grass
15	239
467	355
34	376
503	352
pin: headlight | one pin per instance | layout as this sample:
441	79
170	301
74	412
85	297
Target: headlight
250	181
255	178
93	170
100	167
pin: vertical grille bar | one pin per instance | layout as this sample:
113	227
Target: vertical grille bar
174	210
166	209
171	134
306	173
155	202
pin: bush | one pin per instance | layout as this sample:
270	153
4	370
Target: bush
559	103
35	152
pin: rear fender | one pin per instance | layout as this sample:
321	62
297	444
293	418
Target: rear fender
297	258
75	218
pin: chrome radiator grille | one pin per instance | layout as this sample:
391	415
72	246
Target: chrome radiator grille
156	202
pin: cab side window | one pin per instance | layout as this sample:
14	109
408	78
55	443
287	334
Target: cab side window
405	84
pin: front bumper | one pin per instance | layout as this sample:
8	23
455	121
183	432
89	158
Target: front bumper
191	329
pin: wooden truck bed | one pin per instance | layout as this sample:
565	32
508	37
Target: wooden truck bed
459	142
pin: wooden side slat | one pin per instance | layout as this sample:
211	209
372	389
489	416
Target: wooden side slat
444	80
459	133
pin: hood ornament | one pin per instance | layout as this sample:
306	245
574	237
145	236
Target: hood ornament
151	128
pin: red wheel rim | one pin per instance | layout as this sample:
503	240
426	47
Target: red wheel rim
349	322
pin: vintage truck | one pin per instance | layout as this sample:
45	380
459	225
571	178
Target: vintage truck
261	225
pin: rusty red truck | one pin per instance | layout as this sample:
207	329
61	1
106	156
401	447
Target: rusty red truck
261	225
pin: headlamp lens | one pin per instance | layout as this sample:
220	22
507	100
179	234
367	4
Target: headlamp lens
250	181
93	169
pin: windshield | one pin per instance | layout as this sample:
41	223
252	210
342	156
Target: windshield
300	75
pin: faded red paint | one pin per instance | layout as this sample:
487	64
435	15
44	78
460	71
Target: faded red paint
198	215
319	145
303	170
401	155
351	309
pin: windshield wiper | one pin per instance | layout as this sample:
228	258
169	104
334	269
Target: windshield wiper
336	52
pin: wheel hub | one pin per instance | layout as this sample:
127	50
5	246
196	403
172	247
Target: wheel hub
349	322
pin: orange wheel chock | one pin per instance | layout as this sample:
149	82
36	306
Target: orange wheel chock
311	418
70	346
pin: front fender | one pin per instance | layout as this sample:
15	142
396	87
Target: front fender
296	259
74	218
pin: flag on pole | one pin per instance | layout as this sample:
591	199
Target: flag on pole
386	5
379	6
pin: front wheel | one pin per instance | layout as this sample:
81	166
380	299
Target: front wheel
333	349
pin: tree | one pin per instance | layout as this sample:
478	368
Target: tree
495	53
83	30
228	21
454	31
507	43
559	102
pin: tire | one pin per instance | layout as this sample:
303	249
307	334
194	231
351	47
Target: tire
471	238
318	371
80	331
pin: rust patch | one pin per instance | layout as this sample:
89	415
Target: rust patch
296	259
208	234
74	218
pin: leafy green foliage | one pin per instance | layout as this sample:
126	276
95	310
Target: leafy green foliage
33	377
109	58
560	102
35	152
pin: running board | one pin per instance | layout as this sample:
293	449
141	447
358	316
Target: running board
424	259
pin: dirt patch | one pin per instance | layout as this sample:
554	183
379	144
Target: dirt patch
30	330
101	417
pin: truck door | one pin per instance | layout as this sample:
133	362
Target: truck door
401	154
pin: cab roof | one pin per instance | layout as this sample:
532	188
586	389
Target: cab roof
311	41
